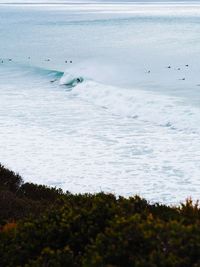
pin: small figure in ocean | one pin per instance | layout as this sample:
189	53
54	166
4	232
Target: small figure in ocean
70	61
65	61
179	69
1	61
47	59
10	59
52	81
169	67
149	71
183	79
187	65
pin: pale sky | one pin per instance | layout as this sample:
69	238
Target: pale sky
74	1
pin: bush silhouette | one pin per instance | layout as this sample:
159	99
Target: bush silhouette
42	226
9	180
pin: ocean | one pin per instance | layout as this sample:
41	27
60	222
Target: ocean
102	97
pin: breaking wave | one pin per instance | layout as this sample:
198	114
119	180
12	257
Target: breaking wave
96	134
150	107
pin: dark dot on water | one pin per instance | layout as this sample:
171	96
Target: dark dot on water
168	124
169	67
52	81
187	65
70	61
135	117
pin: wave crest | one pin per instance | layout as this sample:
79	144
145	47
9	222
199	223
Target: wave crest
70	80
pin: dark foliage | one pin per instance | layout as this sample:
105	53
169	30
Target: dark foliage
9	180
44	227
39	192
19	200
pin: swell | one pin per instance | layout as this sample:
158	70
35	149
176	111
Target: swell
54	76
152	108
13	66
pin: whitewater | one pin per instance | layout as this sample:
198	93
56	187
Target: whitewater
102	97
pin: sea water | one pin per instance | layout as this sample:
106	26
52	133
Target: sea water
102	97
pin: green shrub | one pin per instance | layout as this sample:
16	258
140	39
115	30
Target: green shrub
38	192
42	226
9	180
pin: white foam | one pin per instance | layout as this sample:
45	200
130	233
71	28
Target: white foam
97	137
149	107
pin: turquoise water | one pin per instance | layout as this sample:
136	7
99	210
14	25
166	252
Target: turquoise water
131	125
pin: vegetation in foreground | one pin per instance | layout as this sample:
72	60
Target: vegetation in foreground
44	227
